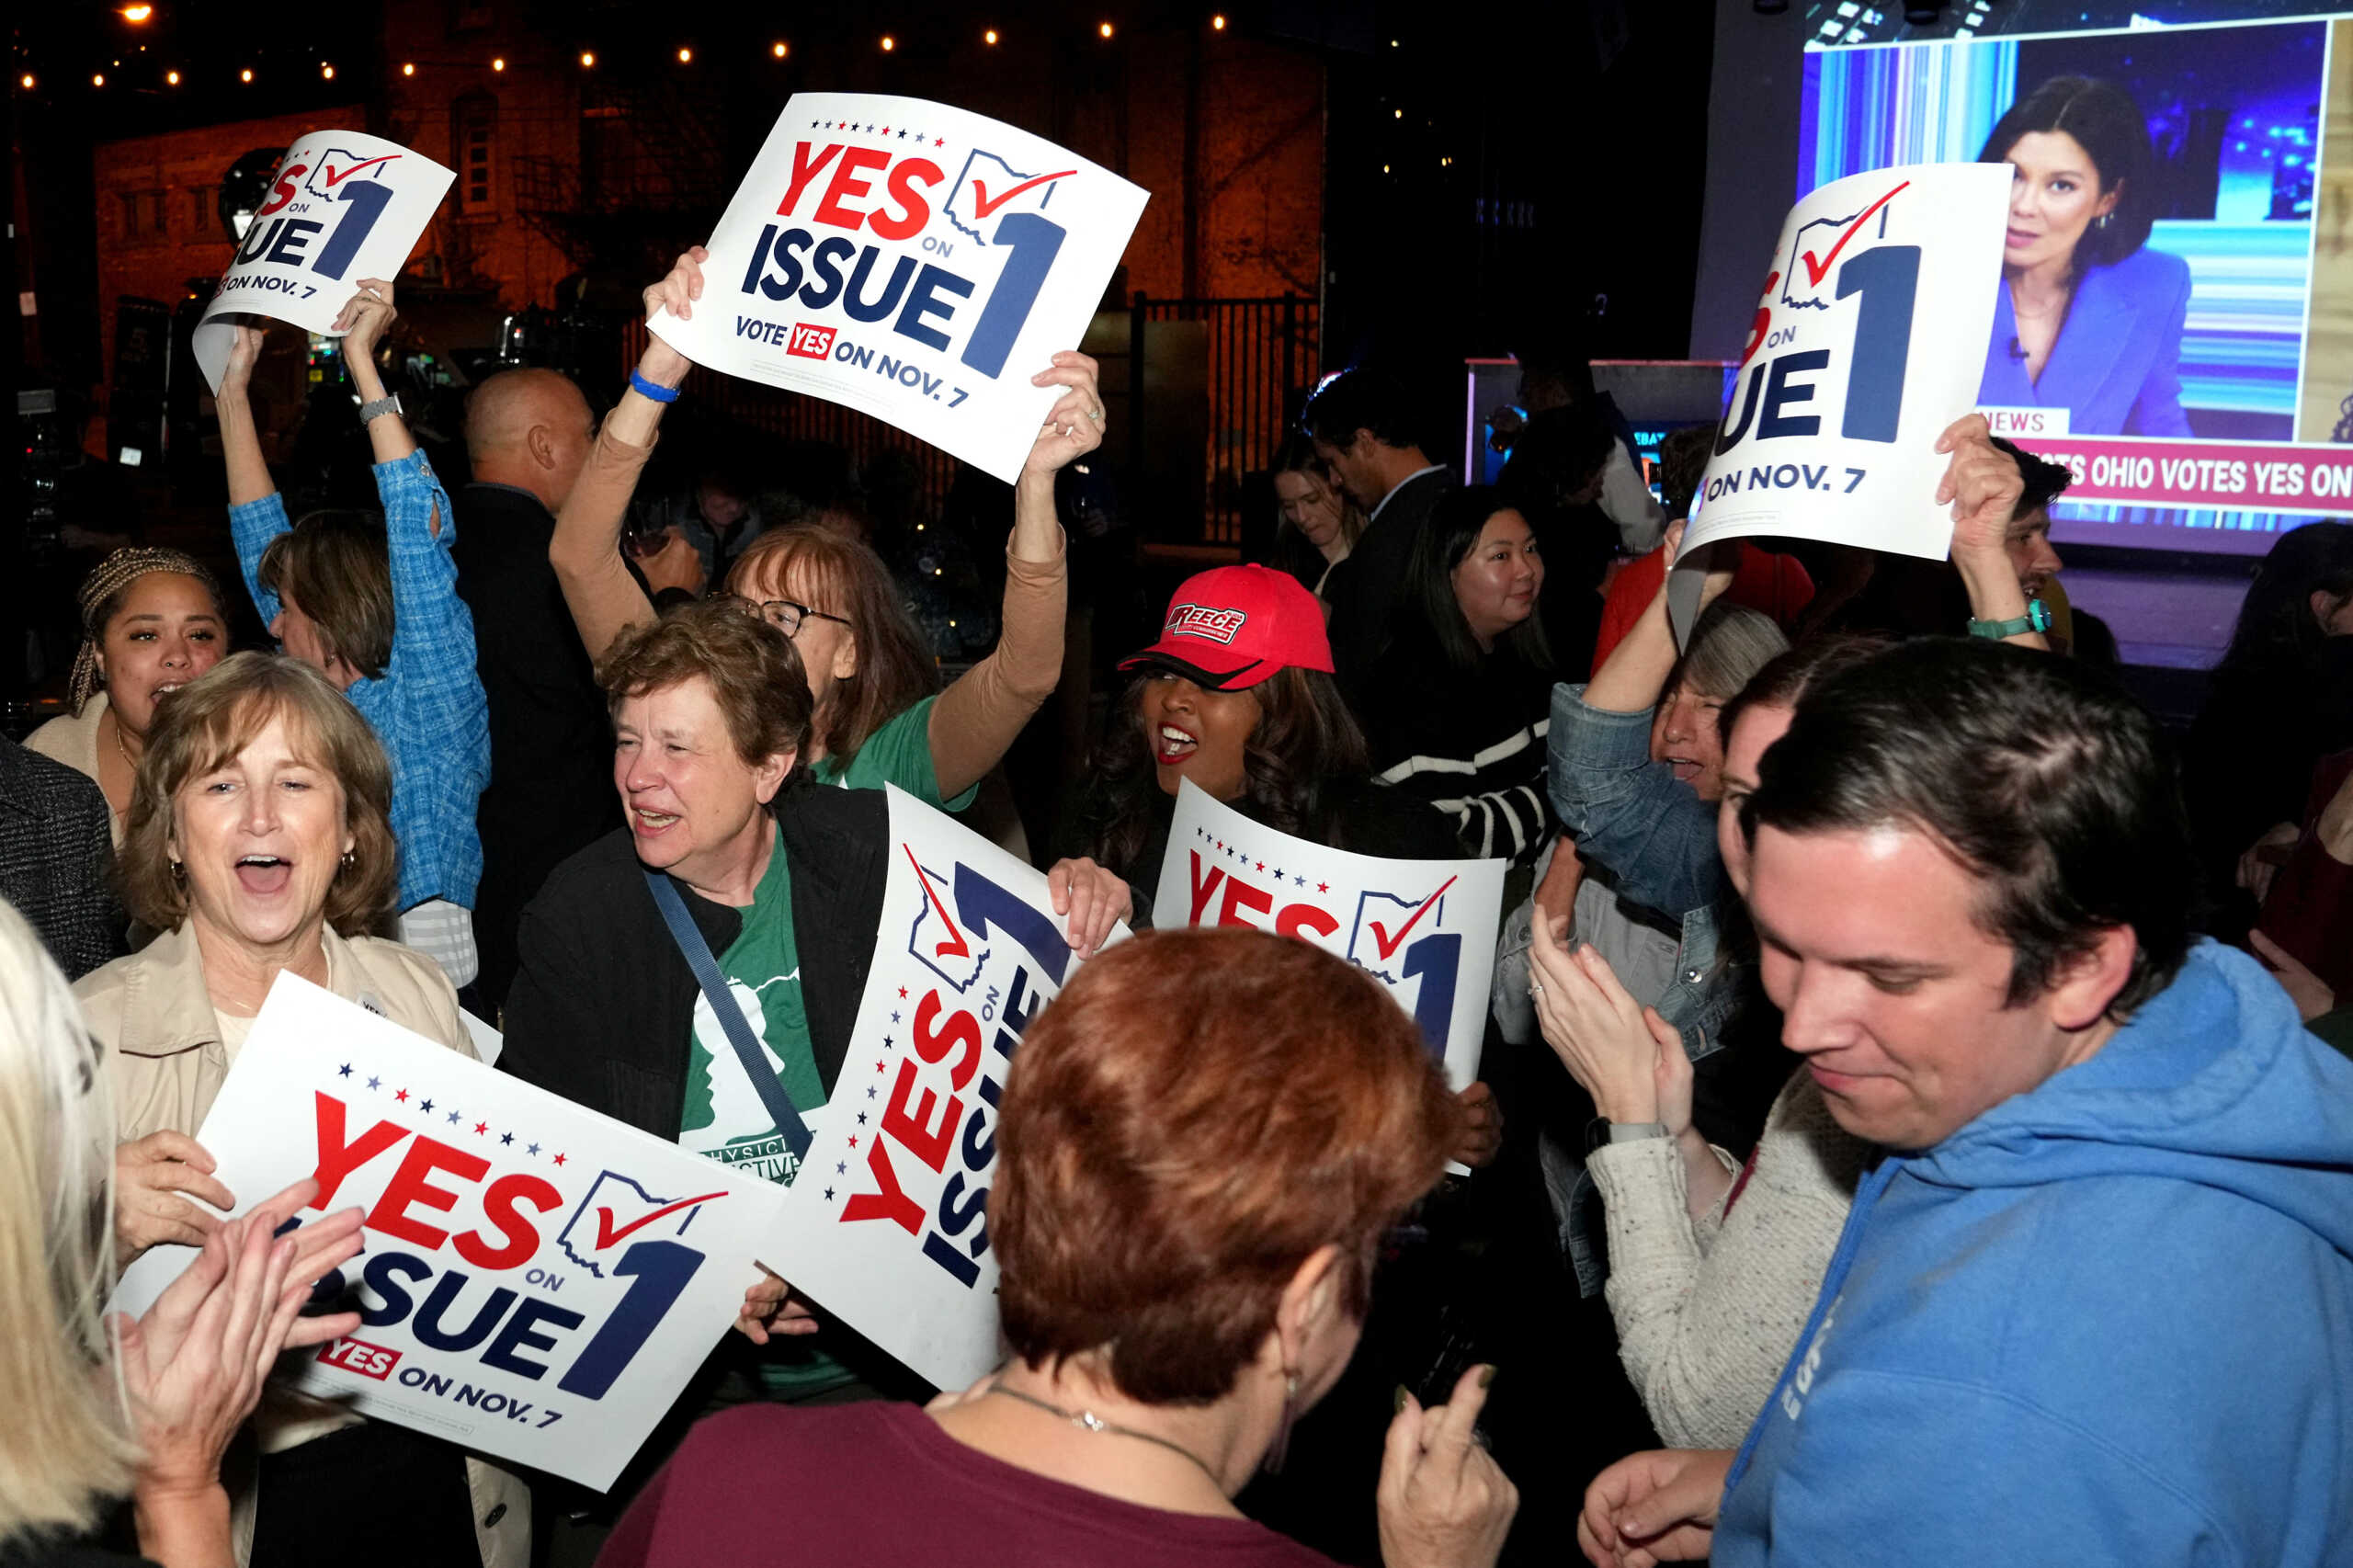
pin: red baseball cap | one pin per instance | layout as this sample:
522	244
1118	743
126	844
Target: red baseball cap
1233	627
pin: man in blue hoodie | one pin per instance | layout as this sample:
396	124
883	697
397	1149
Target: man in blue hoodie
2095	1303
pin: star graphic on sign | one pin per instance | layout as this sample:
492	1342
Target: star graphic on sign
426	1106
886	130
345	1071
829	1195
902	136
941	143
1262	864
902	993
1300	881
1320	886
841	1167
869	1092
862	1119
853	1139
878	1067
1278	873
532	1149
559	1159
402	1097
895	1018
481	1127
1221	844
453	1118
506	1138
887	1041
373	1082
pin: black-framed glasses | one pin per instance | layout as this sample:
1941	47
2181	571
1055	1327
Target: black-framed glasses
784	615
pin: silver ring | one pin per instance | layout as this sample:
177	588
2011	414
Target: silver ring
1095	415
1536	988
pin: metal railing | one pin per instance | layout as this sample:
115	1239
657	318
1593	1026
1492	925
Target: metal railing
1255	355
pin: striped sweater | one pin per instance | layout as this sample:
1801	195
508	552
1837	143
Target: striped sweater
1470	742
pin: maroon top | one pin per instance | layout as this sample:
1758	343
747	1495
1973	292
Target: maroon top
880	1484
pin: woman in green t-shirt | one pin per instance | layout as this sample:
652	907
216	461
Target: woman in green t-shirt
878	720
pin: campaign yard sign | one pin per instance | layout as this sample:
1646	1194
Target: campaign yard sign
1426	929
1868	339
912	261
886	1226
343	205
538	1280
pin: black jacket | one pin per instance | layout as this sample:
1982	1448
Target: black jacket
550	792
1368	589
56	851
602	999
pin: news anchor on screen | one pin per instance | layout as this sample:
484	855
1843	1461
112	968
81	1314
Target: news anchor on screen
2087	318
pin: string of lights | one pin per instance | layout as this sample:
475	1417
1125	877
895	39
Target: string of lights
112	71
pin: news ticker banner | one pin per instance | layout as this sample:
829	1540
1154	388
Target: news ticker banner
1426	929
2260	476
538	1281
912	261
1868	339
343	205
886	1226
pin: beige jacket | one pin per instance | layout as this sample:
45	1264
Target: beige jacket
73	739
164	1067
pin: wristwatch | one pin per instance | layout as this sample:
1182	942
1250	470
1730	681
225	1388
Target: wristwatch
1603	1130
389	404
2036	618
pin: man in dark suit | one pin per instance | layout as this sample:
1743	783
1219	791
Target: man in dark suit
1362	423
528	434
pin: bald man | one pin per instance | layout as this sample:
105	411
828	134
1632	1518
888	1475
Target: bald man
551	794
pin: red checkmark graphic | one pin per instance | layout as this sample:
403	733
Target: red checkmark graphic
1387	943
607	1235
982	206
1815	269
334	179
956	946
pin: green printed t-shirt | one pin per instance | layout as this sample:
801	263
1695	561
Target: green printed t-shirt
725	1119
899	753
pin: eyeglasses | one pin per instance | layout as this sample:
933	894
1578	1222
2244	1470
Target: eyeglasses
784	615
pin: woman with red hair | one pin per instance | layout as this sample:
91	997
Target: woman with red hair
1201	1143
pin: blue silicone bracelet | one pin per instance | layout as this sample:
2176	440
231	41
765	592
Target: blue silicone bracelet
654	390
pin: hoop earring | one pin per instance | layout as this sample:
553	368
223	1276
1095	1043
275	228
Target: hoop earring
350	859
179	871
1279	1450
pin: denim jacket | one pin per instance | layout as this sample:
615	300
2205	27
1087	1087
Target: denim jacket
428	706
1660	872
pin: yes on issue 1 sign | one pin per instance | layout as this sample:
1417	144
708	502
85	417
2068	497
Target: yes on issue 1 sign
1426	929
343	205
886	1226
539	1281
1868	339
913	262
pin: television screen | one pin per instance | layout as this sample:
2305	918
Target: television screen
2175	320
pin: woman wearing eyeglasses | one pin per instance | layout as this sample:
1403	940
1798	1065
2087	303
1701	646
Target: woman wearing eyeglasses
880	717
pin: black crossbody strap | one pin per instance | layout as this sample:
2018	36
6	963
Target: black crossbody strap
789	1124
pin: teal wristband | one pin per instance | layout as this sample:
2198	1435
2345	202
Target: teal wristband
2036	618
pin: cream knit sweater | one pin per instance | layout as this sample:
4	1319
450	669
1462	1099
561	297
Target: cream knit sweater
1707	1311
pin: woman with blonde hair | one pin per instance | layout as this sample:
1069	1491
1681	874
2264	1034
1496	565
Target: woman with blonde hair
100	1410
877	721
151	623
260	842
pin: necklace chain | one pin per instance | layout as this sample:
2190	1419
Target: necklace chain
129	761
1086	1420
